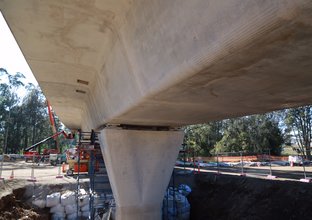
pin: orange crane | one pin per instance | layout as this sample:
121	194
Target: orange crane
30	154
52	123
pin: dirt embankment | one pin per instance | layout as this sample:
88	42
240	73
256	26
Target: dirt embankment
232	197
13	207
16	198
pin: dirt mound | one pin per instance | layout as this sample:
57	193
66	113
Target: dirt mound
16	198
232	197
12	207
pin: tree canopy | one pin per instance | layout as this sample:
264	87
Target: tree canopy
299	122
254	134
24	120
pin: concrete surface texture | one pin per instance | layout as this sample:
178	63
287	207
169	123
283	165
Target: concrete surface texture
138	164
165	62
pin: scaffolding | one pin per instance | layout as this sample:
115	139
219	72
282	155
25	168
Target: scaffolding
100	192
175	204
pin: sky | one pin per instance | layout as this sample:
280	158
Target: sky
11	57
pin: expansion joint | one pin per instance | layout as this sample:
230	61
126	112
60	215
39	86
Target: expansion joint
139	127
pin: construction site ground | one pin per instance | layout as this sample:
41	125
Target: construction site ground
17	193
228	195
224	196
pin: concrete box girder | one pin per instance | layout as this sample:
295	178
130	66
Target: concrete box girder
166	62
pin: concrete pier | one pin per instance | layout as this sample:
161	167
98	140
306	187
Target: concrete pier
161	63
139	164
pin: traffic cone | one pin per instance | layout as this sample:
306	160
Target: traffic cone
12	175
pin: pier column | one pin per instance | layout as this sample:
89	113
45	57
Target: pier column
139	165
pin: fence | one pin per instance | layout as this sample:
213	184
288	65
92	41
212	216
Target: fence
240	163
29	168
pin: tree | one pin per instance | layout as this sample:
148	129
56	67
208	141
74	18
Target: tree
234	137
252	134
299	121
8	101
36	122
203	137
25	122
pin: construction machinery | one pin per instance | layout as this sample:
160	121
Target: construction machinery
77	161
33	155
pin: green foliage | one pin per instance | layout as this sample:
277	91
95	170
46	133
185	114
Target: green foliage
252	134
35	117
22	122
299	124
202	138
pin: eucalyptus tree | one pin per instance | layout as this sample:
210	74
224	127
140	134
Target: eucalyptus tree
203	137
9	99
252	134
299	122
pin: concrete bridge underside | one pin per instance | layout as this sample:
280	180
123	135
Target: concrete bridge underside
162	63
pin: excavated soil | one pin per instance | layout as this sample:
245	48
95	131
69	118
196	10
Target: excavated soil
233	197
16	197
13	206
213	197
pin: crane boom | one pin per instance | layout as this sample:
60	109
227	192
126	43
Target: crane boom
45	140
